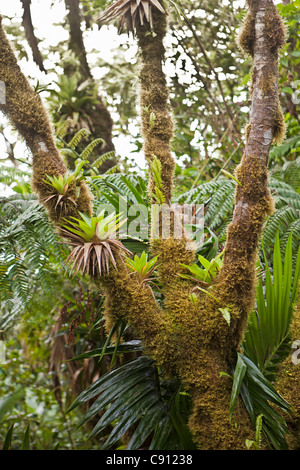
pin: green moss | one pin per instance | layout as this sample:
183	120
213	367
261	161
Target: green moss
246	35
127	296
279	126
209	422
156	119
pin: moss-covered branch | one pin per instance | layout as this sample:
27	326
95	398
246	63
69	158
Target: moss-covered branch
157	124
27	114
261	37
189	336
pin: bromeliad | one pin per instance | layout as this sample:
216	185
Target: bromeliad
94	243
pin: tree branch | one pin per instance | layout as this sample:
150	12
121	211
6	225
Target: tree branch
30	36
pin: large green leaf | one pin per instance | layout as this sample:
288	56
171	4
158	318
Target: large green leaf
258	395
9	402
267	337
239	373
134	394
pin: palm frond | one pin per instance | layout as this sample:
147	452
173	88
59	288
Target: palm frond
267	339
133	397
260	398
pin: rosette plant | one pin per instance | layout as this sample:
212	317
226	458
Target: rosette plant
94	243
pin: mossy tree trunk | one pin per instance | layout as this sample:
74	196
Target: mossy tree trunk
187	337
27	114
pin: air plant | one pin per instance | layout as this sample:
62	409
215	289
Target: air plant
142	267
131	12
204	276
61	184
93	242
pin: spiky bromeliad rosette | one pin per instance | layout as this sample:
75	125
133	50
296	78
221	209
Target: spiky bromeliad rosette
93	244
131	12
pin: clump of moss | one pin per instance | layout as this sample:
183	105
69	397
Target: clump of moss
126	295
279	126
209	422
246	35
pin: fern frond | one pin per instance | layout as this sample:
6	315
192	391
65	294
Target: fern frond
63	128
10	175
100	160
112	170
90	147
29	256
78	137
289	173
287	147
69	152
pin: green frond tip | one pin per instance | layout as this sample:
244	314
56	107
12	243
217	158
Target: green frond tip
100	160
78	137
63	128
226	173
156	171
90	147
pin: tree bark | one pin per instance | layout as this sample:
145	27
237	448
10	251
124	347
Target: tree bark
30	36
